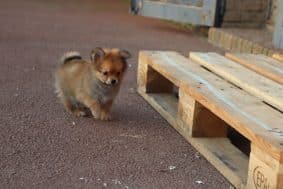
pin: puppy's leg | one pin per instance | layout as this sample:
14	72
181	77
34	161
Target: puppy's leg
90	103
105	111
71	108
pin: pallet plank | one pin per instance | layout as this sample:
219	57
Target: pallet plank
230	161
255	120
263	88
164	104
261	64
167	101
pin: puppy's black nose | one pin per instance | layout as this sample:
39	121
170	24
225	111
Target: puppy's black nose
113	82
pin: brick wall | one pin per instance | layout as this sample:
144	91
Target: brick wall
246	13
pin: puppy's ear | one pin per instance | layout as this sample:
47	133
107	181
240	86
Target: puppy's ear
97	54
125	54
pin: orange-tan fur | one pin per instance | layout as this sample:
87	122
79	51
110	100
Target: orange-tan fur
92	84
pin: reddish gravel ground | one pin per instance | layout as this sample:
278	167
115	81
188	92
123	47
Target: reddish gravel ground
42	146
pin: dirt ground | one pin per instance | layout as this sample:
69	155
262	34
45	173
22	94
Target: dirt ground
42	146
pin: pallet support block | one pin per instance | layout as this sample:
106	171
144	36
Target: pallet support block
142	74
265	172
197	120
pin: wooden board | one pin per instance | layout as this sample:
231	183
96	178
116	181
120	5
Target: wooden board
228	160
251	117
164	104
261	64
166	101
278	57
257	85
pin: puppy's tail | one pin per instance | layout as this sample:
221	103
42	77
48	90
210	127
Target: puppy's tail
68	56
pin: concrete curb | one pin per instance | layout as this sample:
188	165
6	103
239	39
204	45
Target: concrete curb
233	43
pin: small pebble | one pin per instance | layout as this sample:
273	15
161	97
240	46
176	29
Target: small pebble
171	167
199	182
132	90
197	155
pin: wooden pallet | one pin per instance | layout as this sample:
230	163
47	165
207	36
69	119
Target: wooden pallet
216	93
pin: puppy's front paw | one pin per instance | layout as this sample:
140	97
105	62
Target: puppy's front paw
95	113
105	116
79	113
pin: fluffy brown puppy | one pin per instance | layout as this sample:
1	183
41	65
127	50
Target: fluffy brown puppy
94	85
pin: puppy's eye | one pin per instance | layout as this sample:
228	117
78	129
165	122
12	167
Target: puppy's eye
105	73
118	73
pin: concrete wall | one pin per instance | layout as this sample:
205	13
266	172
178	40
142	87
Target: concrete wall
270	24
243	13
